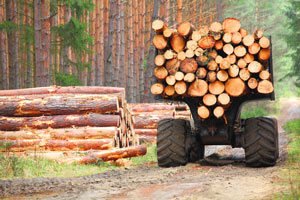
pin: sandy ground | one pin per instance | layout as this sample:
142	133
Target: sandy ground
222	175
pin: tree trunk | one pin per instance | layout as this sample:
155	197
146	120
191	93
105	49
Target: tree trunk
79	145
58	121
114	154
42	41
3	50
12	44
58	104
61	134
148	122
179	11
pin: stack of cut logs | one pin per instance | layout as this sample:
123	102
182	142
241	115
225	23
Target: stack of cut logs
217	64
145	117
67	119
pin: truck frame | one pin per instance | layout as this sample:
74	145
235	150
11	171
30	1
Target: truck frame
180	141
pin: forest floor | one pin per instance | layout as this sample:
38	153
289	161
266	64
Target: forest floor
222	175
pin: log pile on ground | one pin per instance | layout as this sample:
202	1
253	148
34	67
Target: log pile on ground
66	119
145	117
216	64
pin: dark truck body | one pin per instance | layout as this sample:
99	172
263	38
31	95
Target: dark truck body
228	130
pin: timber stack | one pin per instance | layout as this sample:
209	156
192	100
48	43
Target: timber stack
67	119
216	64
145	117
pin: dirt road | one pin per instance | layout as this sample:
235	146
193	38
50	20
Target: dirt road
202	180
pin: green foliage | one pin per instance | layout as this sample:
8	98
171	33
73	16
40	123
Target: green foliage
67	80
254	112
148	158
74	35
292	11
8	26
293	128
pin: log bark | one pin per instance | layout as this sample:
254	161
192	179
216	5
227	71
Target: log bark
20	145
206	42
63	90
58	121
231	25
203	112
57	104
144	107
198	88
148	122
79	145
209	99
177	42
188	65
235	87
61	134
114	154
265	87
157	88
216	87
180	87
146	132
160	42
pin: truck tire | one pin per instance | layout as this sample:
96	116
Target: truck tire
171	138
261	142
195	150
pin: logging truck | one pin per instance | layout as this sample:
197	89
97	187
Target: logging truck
214	70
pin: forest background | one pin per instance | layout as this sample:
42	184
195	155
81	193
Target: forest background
108	42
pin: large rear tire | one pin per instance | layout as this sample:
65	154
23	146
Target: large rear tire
261	142
171	137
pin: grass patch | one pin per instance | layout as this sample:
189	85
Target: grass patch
148	158
260	109
19	167
290	175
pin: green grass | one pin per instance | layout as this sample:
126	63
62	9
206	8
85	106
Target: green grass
150	157
259	109
25	167
290	176
20	167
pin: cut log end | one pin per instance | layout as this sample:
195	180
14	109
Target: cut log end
231	25
218	111
265	87
160	42
157	88
224	99
235	87
203	112
209	99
